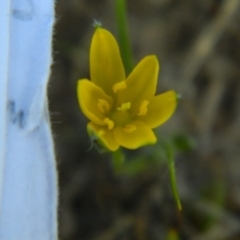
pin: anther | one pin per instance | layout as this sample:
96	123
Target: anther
143	108
130	128
119	86
103	105
124	106
109	123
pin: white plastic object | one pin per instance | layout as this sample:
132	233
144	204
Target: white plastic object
28	182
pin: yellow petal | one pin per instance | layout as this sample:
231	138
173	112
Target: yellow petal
106	67
89	96
160	109
134	135
141	83
103	135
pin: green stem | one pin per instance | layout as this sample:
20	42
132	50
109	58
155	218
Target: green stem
171	166
123	35
118	160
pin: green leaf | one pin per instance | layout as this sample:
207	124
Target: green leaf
172	235
123	35
118	160
171	167
183	143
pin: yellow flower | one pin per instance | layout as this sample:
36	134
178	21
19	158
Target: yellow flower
122	111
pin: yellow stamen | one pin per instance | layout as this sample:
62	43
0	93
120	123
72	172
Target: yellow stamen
109	123
124	106
119	86
143	108
130	128
103	105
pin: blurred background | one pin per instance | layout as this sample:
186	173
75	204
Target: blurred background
198	46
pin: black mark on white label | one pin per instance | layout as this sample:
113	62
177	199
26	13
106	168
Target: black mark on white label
16	116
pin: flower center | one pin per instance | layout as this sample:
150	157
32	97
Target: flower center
121	116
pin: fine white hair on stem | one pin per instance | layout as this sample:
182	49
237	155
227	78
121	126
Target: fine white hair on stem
94	142
96	23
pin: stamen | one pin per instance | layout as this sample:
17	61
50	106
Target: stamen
119	86
130	128
143	108
124	106
109	123
103	105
